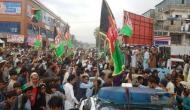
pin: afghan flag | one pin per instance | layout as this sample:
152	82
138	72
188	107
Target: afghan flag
109	29
68	39
127	29
38	41
59	46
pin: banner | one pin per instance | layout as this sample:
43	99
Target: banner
10	7
30	40
15	38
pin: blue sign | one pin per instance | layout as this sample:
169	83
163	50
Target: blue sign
10	8
161	43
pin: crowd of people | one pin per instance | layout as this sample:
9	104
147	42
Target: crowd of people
38	80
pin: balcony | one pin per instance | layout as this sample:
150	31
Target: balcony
177	7
175	28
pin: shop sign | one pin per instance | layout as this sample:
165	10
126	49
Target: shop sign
15	38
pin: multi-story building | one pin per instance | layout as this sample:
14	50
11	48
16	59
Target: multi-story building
17	25
150	13
172	18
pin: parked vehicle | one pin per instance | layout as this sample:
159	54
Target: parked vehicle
173	50
120	98
163	71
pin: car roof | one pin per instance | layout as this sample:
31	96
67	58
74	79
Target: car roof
176	59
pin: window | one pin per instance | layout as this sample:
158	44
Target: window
176	39
10	27
188	16
172	22
42	32
49	34
182	1
32	30
178	16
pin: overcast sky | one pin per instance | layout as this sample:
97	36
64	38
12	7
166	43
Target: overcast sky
83	16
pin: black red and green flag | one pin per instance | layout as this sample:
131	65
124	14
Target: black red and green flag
67	38
38	39
109	29
59	45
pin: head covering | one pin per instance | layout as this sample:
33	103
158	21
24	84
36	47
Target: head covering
26	87
84	75
34	74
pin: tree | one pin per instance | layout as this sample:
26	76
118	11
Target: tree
100	39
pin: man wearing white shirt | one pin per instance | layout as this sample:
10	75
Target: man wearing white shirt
170	86
146	58
69	93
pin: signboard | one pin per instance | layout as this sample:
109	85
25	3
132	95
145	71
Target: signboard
15	38
162	40
10	8
161	43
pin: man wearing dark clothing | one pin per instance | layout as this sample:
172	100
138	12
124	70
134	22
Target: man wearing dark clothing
2	86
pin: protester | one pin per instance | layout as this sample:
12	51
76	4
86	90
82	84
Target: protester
70	77
13	79
152	83
55	103
186	70
23	101
163	83
17	88
2	91
8	103
69	93
85	87
186	100
5	69
146	59
140	82
36	97
108	80
170	85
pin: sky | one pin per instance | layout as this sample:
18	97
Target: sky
83	16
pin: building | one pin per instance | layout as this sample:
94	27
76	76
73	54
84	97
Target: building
150	13
17	24
172	18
